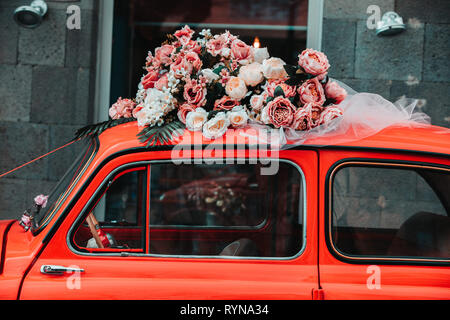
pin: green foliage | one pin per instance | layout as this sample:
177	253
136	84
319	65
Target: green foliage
161	135
98	128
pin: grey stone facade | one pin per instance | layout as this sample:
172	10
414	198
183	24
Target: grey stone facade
415	63
47	78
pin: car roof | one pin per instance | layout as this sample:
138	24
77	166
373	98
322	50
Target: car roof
421	138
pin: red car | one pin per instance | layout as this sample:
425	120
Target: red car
368	219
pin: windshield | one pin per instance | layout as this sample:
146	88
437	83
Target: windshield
83	150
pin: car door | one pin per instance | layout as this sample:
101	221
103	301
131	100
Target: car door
191	231
385	225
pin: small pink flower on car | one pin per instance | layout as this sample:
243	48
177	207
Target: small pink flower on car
335	92
41	200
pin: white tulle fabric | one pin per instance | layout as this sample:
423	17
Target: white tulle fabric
365	114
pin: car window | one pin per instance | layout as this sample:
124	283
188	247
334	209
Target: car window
119	214
391	212
225	210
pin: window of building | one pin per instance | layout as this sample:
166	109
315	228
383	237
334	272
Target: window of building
391	212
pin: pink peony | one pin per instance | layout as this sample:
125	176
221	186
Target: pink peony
257	101
302	120
241	52
313	62
311	91
184	35
330	113
217	45
193	46
123	108
136	110
195	92
314	112
280	112
289	91
41	200
225	103
183	110
163	54
335	92
149	80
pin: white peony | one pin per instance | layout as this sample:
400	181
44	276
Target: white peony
273	68
252	74
260	54
195	119
236	88
238	116
258	101
217	126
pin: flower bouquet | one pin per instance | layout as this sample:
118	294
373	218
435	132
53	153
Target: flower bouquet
217	82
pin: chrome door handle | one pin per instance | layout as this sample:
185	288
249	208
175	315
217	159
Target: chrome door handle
49	269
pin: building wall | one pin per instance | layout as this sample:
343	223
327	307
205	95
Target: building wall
47	78
415	63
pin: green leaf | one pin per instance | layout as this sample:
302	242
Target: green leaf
98	128
218	69
278	92
161	134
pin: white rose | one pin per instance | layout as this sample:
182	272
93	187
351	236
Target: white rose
264	116
273	68
236	88
216	127
251	74
260	54
196	119
257	101
210	75
238	116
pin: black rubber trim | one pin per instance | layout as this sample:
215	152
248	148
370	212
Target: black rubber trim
369	259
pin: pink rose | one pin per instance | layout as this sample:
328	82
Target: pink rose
313	62
335	92
183	110
181	63
225	103
216	45
194	60
136	110
280	112
163	54
41	200
195	92
193	45
289	91
241	52
311	91
162	82
149	80
123	108
330	113
184	35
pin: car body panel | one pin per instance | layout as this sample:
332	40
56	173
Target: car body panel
212	278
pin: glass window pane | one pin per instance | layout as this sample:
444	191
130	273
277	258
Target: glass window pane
117	215
391	212
228	209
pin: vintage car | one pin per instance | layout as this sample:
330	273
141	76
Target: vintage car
365	219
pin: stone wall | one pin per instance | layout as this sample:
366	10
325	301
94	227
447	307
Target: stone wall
415	63
47	78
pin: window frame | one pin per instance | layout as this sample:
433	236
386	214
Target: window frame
374	163
88	206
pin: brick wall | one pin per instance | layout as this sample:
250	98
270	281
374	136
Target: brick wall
415	63
47	78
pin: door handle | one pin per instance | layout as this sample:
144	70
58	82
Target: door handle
58	270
